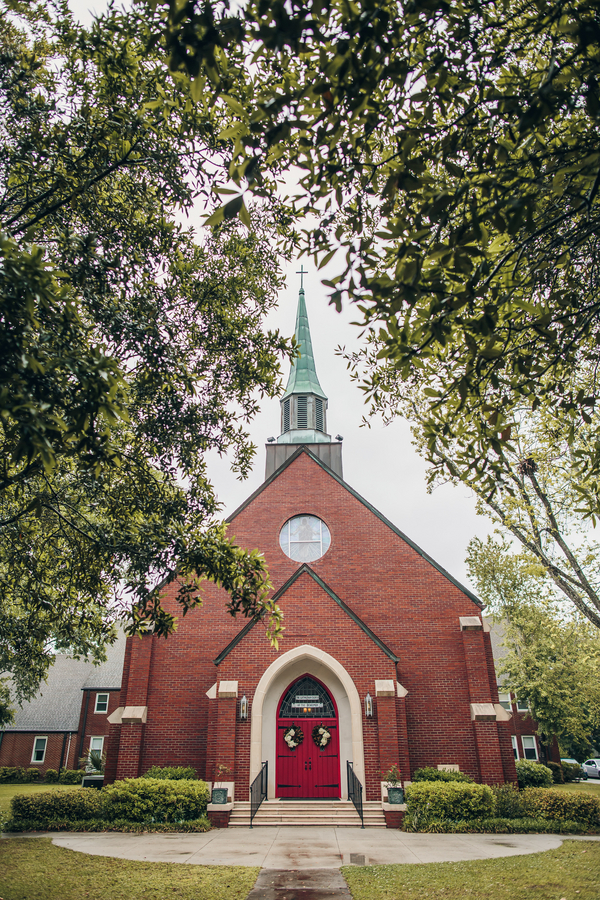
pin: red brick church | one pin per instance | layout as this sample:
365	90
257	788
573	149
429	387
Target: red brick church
385	659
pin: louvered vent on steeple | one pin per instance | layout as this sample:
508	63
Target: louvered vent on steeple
319	424
302	412
286	415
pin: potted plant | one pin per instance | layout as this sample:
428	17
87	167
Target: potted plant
393	782
219	793
94	764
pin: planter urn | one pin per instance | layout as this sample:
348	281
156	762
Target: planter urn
395	795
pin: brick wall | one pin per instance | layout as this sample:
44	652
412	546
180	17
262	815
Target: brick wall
17	749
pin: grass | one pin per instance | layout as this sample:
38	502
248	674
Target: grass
34	869
8	791
572	872
589	787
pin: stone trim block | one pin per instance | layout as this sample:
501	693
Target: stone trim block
385	688
483	712
228	689
134	715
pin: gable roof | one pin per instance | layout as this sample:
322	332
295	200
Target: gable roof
305	568
57	704
302	448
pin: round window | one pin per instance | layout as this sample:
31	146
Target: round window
304	538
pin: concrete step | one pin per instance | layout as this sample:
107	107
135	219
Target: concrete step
324	813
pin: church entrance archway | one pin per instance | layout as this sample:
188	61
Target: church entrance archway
307	742
284	671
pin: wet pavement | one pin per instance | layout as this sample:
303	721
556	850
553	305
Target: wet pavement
300	884
302	848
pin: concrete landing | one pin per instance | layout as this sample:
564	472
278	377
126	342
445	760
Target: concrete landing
300	848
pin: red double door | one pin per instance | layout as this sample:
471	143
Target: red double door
309	769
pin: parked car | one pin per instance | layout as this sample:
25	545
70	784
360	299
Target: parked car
591	767
569	761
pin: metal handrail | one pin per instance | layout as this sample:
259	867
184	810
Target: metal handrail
355	792
258	790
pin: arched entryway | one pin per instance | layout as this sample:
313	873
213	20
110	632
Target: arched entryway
282	672
307	748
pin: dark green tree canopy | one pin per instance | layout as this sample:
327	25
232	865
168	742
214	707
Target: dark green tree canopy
451	152
129	348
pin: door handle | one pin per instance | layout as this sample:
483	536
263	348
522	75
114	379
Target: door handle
308	765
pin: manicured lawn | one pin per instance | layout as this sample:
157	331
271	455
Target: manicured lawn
8	791
590	787
33	869
571	872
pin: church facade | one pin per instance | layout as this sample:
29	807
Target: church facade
385	659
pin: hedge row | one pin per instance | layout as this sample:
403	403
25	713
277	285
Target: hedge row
561	806
438	802
192	826
503	826
21	775
145	801
18	775
172	773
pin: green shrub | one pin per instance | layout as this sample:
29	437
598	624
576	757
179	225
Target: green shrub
33	774
572	772
133	802
51	776
432	801
16	774
503	826
509	801
172	773
155	800
562	806
428	773
533	774
557	772
71	776
193	826
52	806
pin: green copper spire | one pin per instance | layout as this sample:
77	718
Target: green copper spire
303	375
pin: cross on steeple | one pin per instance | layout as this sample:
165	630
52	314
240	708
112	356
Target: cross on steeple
302	273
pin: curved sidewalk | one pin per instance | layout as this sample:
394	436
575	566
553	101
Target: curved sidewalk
306	848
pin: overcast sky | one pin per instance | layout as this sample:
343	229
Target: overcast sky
380	463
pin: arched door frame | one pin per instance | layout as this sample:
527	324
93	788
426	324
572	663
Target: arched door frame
324	662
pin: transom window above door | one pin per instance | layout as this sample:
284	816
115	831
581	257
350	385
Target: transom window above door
304	538
307	699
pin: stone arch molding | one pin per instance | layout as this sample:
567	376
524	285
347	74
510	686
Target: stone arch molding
285	669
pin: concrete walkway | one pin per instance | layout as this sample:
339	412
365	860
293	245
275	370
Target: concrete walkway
299	848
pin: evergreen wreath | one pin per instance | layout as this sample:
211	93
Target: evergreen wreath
321	735
293	736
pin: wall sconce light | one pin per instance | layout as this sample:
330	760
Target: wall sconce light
368	706
243	708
